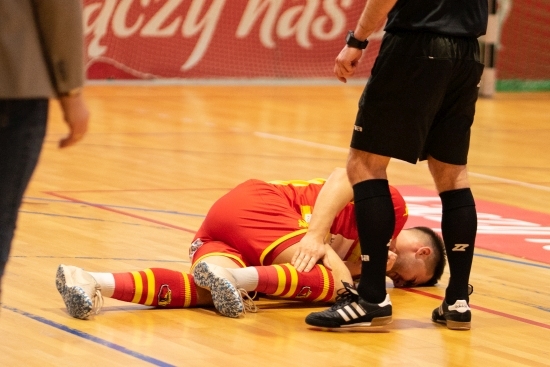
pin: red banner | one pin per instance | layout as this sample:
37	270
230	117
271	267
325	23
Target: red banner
501	228
144	39
218	38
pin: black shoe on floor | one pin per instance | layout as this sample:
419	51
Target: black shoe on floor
457	316
351	311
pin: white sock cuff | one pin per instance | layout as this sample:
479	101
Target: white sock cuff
247	278
106	281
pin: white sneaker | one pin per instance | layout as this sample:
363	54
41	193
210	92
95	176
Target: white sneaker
79	291
229	300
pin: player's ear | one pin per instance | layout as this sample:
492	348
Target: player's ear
424	251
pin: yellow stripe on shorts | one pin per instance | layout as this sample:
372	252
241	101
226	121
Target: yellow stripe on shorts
279	241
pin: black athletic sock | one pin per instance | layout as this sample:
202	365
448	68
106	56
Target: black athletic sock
375	218
458	227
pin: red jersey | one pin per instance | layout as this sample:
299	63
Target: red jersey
257	220
303	194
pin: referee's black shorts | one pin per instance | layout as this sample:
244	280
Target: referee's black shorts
420	98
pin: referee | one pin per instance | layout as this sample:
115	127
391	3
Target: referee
418	104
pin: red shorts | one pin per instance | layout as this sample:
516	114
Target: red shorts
241	225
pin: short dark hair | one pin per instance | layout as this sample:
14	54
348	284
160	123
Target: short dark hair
439	255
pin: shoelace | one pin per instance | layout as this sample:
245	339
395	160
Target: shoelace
97	301
248	302
342	296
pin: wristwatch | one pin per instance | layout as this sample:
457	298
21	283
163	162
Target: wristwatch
351	41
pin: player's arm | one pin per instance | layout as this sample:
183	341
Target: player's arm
333	197
373	14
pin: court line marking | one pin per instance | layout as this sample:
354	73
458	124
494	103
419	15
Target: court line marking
116	206
346	150
99	206
89	337
484	309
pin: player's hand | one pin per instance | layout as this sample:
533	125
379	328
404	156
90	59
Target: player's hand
309	251
346	62
76	115
392	257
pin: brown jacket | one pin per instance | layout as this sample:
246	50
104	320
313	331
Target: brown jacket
41	47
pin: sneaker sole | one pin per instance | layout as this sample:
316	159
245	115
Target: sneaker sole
455	325
78	304
225	296
376	322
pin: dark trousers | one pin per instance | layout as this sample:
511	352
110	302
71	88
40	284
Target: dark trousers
22	131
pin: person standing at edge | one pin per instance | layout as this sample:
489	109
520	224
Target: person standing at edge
419	103
41	56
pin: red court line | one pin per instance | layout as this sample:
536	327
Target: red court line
484	309
121	212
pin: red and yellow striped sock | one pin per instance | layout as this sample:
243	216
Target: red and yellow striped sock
156	287
285	281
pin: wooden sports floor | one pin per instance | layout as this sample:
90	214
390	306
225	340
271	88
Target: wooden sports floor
133	192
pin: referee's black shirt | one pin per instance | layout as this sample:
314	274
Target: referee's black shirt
460	18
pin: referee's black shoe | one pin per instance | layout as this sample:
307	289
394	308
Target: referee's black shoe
456	316
351	311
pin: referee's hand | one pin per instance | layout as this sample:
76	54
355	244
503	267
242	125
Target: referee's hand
346	62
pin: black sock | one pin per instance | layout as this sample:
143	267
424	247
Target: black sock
458	227
375	218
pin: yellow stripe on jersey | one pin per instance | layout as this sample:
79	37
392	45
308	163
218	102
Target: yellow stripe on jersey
150	286
279	241
317	181
306	212
293	281
139	286
326	284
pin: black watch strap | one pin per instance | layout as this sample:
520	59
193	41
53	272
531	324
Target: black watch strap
351	41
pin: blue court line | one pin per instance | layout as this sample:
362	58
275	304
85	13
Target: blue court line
121	207
513	261
91	338
88	218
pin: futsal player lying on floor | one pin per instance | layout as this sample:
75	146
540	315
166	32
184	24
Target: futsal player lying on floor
258	238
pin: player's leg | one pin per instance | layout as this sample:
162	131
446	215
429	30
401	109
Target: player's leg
83	291
283	280
211	264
